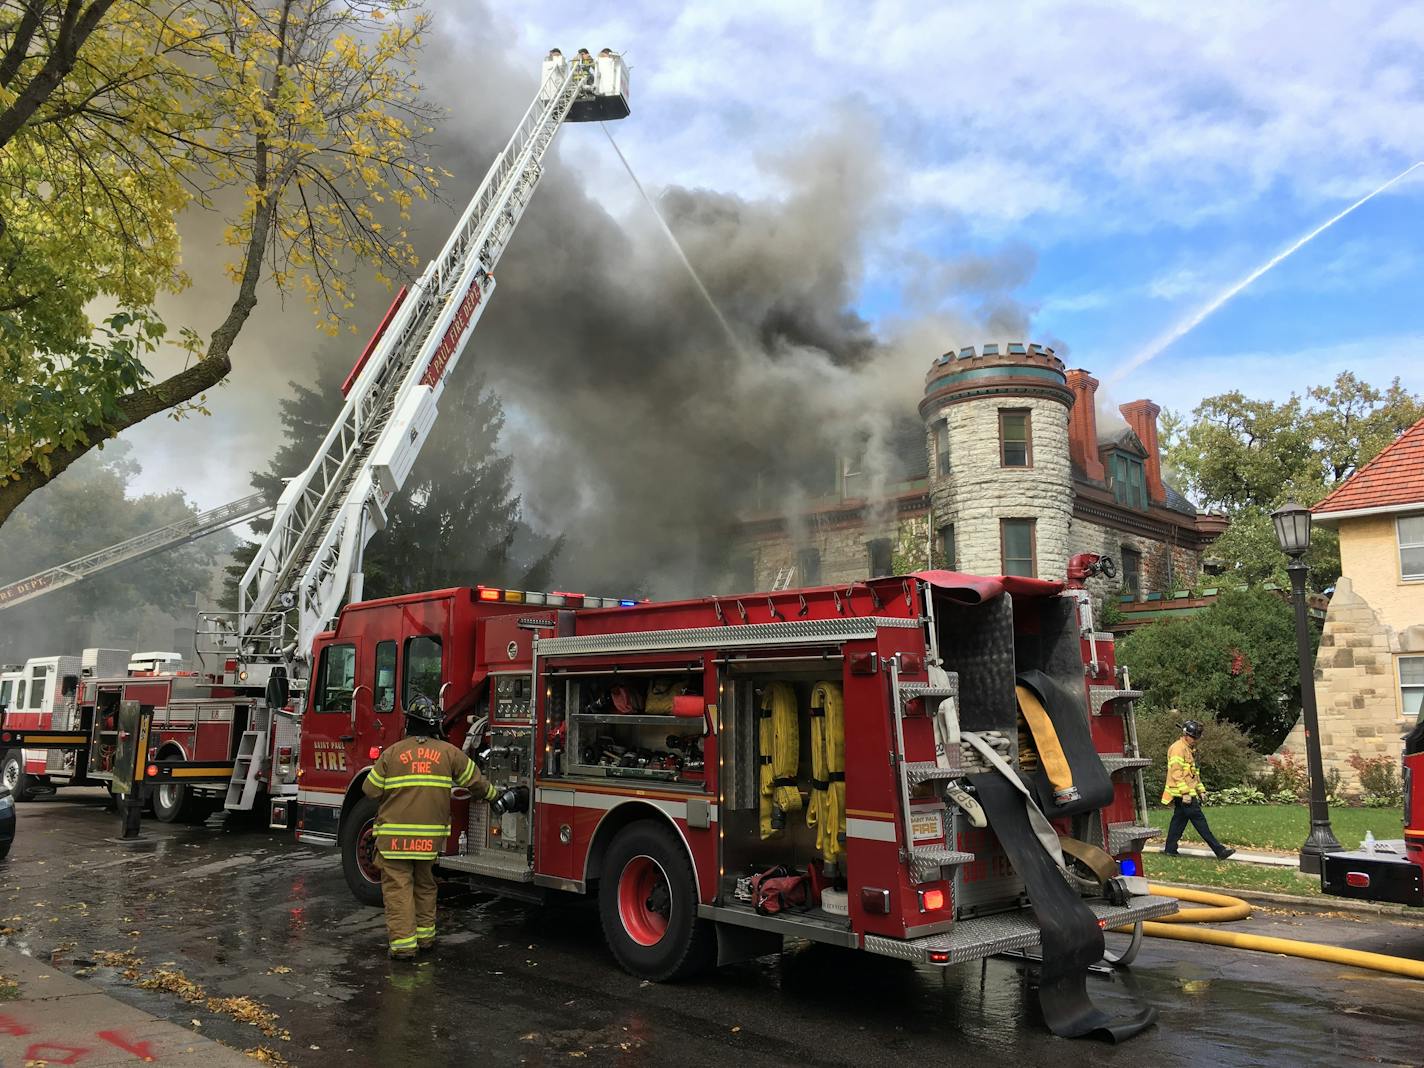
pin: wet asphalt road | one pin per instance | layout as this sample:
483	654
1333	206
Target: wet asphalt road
249	912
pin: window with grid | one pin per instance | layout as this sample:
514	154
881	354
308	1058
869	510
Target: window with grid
1410	529
1131	571
941	439
948	555
1411	686
881	557
1016	546
1129	481
1015	438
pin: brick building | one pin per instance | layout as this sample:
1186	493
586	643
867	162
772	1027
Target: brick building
1008	469
1369	670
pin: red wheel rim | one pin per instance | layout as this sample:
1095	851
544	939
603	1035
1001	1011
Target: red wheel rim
366	852
644	900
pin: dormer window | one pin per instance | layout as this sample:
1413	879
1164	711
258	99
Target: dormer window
1129	481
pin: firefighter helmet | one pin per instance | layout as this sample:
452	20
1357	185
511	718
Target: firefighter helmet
423	717
1192	728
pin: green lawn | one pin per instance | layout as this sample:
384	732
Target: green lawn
1282	828
1229	875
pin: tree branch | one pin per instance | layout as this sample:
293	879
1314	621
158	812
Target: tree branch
75	27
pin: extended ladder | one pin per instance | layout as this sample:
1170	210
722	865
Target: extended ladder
311	560
174	534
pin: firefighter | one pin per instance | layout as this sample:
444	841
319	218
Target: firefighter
412	780
1184	791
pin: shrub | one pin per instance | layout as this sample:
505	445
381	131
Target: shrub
1285	778
1379	779
1335	787
1237	795
1224	754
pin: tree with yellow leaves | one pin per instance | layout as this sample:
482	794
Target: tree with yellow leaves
117	114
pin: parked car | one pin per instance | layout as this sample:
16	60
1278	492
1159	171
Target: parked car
7	822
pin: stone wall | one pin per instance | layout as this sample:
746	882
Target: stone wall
978	492
844	549
1356	687
1165	567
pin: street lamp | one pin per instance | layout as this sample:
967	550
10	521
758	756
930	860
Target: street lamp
1293	533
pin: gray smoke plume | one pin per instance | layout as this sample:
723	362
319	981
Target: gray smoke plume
637	429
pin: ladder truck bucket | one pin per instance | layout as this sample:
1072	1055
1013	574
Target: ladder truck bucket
605	95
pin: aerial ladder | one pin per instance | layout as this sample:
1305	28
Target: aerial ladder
167	537
310	561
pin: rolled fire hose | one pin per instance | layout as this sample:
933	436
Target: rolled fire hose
1225	908
1042	745
780	743
827	809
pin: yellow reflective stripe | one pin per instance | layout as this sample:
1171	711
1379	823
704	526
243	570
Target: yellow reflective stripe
429	855
1183	761
466	775
376	778
419	931
419	780
402	943
412	828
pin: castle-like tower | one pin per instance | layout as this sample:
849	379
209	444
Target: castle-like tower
1001	485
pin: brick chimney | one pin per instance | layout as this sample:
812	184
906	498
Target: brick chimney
1142	415
1083	425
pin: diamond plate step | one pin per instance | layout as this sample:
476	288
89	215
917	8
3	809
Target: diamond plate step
1122	836
913	691
927	865
1119	763
917	772
1101	695
983	937
497	863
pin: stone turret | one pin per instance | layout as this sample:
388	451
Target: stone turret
1006	487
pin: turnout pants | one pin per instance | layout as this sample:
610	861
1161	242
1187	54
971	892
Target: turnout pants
1184	812
408	889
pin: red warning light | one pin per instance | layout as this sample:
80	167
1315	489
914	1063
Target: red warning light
933	900
374	752
152	771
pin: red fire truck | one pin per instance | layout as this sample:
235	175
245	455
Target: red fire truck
837	764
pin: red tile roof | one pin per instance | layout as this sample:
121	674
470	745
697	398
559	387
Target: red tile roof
1394	477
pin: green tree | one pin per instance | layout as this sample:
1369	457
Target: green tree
304	113
1246	457
88	511
1235	660
456	522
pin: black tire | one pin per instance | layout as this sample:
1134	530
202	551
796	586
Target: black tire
176	802
12	775
358	851
647	900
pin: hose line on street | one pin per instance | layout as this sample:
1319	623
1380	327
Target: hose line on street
1224	908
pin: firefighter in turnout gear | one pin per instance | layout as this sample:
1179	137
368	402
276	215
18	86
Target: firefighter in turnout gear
1184	791
412	780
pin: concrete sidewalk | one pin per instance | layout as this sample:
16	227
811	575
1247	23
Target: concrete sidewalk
58	1019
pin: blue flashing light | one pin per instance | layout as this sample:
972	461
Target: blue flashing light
626	604
1128	866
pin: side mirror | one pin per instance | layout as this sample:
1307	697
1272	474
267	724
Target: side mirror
278	690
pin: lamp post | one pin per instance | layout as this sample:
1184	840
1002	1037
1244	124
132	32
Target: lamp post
1293	533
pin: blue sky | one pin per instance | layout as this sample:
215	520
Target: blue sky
1139	157
1108	167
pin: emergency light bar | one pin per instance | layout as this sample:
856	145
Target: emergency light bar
557	598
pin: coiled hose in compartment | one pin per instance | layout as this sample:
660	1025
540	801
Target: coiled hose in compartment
826	813
778	733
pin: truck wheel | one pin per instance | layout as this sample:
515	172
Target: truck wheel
13	777
358	851
174	802
647	900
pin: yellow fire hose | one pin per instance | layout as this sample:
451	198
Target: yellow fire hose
826	813
1224	908
780	743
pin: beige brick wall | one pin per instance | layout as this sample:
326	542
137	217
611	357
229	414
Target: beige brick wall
1369	554
1357	685
1165	567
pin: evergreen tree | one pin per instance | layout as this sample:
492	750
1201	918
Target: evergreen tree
456	522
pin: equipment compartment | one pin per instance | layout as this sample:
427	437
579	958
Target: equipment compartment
620	725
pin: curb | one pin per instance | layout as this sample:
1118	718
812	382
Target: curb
1310	904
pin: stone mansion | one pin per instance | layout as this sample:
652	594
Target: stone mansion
1007	470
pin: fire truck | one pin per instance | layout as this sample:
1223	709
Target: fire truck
840	764
1389	870
226	733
